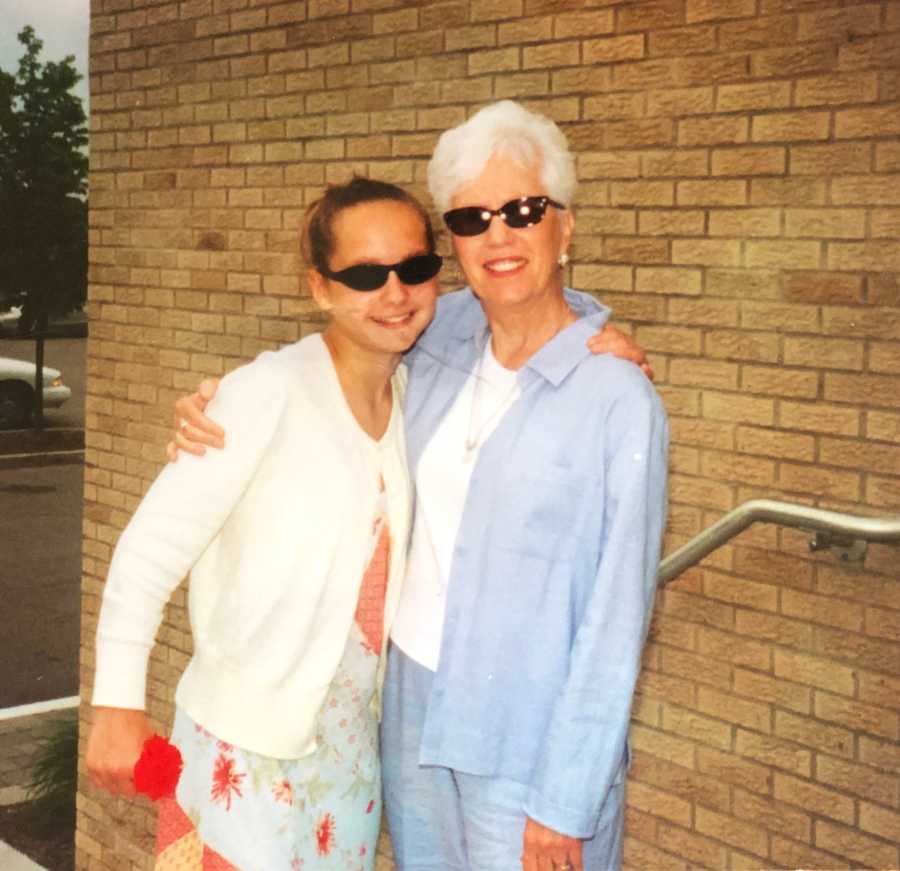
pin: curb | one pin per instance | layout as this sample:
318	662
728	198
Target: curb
50	458
30	441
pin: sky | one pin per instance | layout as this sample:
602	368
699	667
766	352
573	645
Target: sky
62	25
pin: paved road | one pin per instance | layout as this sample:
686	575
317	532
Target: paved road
67	355
40	551
40	571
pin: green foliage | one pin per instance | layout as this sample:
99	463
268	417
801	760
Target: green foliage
43	184
54	773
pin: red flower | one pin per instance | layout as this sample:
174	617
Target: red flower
225	781
157	770
283	792
325	835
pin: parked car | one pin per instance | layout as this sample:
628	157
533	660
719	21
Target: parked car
17	380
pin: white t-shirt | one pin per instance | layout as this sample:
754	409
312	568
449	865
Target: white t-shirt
442	483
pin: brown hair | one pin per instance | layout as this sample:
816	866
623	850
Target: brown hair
317	241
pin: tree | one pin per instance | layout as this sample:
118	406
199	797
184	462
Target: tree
43	186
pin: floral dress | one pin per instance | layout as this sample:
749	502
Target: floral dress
235	809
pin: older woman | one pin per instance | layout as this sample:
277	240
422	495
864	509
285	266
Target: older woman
540	481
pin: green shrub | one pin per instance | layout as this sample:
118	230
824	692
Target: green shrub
54	773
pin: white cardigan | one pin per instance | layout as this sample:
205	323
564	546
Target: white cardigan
274	530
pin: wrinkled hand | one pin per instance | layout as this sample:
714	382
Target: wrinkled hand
115	744
548	850
193	429
611	340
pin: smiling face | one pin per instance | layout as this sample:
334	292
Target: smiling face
389	319
507	267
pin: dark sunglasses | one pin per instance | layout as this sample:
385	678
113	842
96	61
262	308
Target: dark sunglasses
523	212
371	276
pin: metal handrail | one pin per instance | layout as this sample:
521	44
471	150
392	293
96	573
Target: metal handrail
845	534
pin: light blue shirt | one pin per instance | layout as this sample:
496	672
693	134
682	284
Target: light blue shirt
553	573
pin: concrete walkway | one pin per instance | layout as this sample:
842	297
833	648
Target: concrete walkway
12	860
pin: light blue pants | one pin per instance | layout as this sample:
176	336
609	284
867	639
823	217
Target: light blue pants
445	820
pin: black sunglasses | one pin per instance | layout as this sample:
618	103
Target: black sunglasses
371	276
523	212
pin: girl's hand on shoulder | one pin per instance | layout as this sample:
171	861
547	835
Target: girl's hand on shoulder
611	340
193	429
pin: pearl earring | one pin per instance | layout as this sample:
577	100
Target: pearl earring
563	259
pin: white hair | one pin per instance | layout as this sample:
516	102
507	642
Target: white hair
506	128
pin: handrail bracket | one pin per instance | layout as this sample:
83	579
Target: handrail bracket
844	548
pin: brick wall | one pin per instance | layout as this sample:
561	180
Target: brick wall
739	209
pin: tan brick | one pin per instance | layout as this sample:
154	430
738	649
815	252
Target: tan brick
887	157
748	161
704	373
680	163
702	433
879	821
738	468
756	33
827	353
884	755
744	222
732	831
706	252
775	443
790	854
766	564
779	381
602	278
636	249
882	492
661	804
860	455
555	54
886	223
784	254
819	417
816	481
859	123
596	222
811	797
883	425
667	280
836	89
790	126
614	48
832	159
859	848
862	389
859	780
712	193
732	769
871	321
823	287
696	727
743	283
680	101
727	588
638	853
608	164
781	693
713	130
755	95
642	193
524	30
856	715
589	23
709	312
866	190
738	409
694	847
679	41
